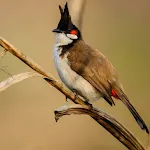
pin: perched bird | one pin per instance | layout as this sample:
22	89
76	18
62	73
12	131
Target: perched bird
84	70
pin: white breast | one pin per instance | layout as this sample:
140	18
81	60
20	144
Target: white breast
71	79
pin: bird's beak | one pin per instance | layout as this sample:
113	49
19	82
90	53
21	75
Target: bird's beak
57	31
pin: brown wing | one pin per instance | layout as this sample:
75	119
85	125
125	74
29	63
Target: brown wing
94	67
97	70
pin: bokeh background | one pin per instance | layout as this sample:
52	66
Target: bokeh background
120	29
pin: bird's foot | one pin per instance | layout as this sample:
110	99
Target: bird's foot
66	99
75	94
89	104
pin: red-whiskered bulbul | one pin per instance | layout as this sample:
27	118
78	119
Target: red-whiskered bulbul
86	70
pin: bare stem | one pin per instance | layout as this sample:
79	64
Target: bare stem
3	53
107	121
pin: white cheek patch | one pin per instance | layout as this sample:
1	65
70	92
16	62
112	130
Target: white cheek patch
72	36
62	39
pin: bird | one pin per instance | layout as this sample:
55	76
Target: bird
85	70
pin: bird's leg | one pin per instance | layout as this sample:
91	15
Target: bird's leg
89	104
75	94
66	99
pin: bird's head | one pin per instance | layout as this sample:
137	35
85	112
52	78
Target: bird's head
66	31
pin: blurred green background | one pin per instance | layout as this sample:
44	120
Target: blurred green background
120	29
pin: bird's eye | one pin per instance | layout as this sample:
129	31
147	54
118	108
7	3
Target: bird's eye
74	32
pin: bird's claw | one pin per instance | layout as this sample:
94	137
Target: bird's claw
66	99
89	104
75	94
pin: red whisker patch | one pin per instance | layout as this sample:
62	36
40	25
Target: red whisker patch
74	32
114	94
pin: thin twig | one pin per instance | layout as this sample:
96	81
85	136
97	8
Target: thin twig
15	79
3	70
3	53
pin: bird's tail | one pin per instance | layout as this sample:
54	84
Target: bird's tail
135	114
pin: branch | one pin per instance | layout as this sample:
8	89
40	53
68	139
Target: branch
107	121
15	79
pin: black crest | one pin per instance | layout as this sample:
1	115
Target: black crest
65	23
